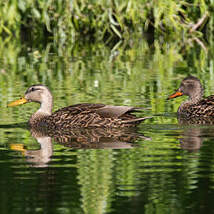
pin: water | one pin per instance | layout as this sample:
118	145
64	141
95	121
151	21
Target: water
160	167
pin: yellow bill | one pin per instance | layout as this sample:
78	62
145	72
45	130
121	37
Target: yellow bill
18	102
18	147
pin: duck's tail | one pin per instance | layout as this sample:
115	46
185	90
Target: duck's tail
135	120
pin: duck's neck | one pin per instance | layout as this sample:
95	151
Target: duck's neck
46	106
195	98
44	111
196	95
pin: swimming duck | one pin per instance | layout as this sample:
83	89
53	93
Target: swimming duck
196	105
79	115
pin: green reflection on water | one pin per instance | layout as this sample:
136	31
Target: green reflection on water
158	175
95	178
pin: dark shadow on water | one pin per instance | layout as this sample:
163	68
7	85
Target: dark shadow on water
14	125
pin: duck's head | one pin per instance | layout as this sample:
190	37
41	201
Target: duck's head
39	94
190	86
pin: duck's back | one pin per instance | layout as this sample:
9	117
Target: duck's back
93	115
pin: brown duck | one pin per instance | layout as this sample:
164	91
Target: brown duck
80	115
196	105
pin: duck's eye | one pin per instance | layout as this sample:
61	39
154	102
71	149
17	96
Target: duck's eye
32	89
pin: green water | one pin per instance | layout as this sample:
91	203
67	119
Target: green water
161	167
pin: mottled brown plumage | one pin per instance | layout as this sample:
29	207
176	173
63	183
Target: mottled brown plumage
80	115
196	105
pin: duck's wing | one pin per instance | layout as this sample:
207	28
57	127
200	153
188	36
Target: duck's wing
206	106
105	111
95	115
115	111
208	101
78	109
122	112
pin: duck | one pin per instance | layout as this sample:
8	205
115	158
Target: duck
196	106
78	115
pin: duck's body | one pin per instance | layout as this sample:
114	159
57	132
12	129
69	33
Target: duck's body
202	108
87	115
196	105
80	115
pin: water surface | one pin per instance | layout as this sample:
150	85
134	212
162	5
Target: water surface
160	167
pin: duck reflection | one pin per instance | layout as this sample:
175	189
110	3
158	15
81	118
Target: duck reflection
195	130
196	120
40	157
191	140
99	138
